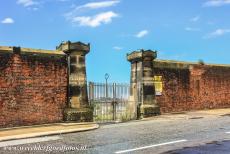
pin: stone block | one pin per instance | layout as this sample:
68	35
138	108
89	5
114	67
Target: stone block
78	115
149	110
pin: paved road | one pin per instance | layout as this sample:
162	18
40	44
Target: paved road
166	134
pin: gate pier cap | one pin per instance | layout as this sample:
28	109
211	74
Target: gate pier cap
76	47
139	55
78	104
142	85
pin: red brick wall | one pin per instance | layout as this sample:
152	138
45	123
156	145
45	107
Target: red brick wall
199	87
210	87
32	89
175	89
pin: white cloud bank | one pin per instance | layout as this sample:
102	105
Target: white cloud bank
94	21
216	3
217	33
7	21
142	33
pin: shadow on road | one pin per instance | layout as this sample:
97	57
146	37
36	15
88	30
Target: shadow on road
215	147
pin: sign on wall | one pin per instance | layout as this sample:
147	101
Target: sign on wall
158	85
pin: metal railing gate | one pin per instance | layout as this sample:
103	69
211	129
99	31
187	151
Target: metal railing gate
111	102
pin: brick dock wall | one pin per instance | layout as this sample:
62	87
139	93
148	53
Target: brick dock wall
189	87
33	88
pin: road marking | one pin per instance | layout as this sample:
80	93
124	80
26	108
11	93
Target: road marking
150	146
228	132
28	140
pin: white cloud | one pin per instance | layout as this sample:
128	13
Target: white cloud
27	3
216	3
97	5
195	19
35	9
192	29
142	33
94	21
217	33
7	21
117	48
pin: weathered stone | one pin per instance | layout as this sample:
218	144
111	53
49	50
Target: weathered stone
81	115
142	85
78	109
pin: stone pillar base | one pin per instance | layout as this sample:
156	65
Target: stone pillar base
78	115
149	110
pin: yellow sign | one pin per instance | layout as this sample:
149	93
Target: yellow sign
158	84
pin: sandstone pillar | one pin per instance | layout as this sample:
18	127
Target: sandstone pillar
142	85
78	105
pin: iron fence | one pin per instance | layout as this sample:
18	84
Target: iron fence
110	101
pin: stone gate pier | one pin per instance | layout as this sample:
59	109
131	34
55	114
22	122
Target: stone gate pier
78	109
142	85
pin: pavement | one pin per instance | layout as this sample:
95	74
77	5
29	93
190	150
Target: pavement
44	130
191	114
195	132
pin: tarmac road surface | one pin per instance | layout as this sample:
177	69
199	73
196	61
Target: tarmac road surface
191	133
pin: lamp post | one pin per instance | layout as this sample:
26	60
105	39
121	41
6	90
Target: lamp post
106	84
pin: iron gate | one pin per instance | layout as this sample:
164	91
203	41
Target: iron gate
111	102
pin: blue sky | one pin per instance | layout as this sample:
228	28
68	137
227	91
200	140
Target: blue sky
177	29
